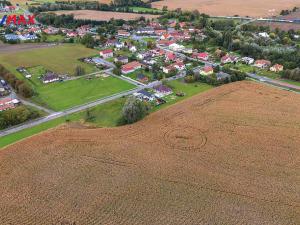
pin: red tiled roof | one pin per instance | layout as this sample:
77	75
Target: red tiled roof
131	65
106	51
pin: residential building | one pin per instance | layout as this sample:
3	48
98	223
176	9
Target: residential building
206	70
277	68
50	77
176	47
8	103
222	76
142	78
131	67
122	59
262	64
162	90
247	60
201	56
123	33
107	53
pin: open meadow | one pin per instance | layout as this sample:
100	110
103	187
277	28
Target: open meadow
63	95
227	156
255	8
104	15
62	59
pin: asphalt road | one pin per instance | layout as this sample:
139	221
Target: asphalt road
277	83
56	115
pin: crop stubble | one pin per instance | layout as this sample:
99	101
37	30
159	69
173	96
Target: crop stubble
227	156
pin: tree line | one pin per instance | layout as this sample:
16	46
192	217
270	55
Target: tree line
20	86
17	115
292	74
120	6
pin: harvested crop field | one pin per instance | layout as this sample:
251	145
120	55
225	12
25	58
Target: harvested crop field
104	15
228	156
255	8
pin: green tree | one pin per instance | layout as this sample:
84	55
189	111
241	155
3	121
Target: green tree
79	71
134	110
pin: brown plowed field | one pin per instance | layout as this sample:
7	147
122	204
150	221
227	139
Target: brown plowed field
104	15
228	156
256	8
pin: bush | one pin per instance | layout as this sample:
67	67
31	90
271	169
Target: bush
16	116
20	86
134	110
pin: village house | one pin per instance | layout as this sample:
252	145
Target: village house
8	103
168	69
142	55
110	42
149	61
176	47
162	90
83	30
201	56
247	60
131	67
107	53
145	30
262	64
132	48
119	45
155	25
160	32
263	34
51	30
121	59
71	34
4	88
228	59
173	67
165	43
222	76
170	56
187	50
276	68
206	70
142	78
144	96
50	77
166	36
123	33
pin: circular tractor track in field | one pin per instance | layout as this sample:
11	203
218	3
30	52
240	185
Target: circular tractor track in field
185	138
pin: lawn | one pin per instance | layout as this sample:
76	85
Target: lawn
60	59
106	115
134	74
66	94
189	89
54	38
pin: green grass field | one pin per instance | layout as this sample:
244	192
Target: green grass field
144	10
189	89
66	94
106	115
60	59
54	38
